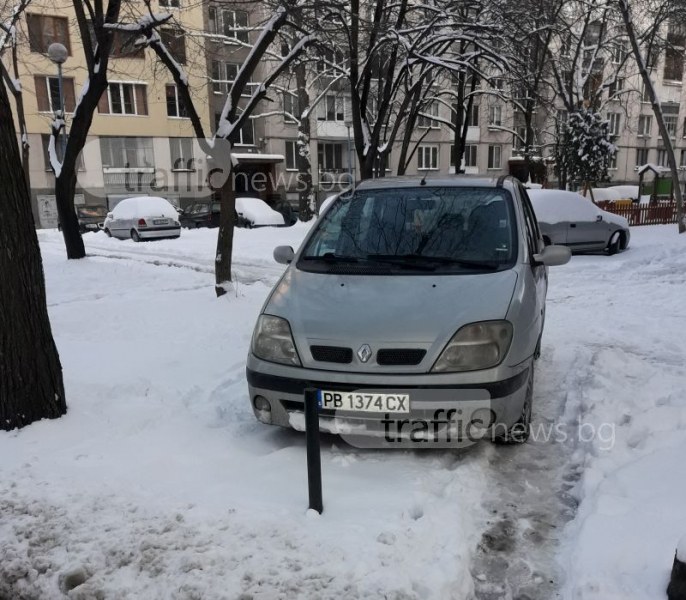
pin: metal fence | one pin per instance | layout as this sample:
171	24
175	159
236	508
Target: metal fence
658	214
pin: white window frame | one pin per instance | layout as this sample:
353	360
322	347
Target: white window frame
120	85
468	148
338	108
495	110
240	142
291	148
178	104
430	152
643	130
614	123
492	155
672	124
186	160
429	122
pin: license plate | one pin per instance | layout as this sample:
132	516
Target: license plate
364	402
160	221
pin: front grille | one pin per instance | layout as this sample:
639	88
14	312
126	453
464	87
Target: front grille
400	356
332	354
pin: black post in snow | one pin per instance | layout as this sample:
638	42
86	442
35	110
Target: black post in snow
314	459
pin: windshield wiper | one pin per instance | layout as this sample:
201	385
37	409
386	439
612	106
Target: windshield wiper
330	257
400	260
417	259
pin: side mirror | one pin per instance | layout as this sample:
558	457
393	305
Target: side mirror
110	216
553	256
284	255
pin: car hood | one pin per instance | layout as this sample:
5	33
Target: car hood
615	219
386	311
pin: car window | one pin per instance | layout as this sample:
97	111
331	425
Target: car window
447	224
533	233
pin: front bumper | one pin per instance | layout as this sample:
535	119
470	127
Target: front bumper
284	388
159	232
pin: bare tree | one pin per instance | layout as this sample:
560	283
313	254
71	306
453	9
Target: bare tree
31	386
233	115
643	29
8	40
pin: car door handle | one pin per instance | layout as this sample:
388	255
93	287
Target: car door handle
572	224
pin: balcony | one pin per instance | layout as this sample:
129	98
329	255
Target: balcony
131	179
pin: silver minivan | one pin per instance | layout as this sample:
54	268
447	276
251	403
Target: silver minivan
407	292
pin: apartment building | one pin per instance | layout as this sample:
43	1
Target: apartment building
141	141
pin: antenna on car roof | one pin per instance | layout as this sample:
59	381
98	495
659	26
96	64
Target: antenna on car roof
423	181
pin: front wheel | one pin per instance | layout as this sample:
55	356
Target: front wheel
614	244
134	236
519	432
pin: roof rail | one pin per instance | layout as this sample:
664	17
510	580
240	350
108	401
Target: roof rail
501	180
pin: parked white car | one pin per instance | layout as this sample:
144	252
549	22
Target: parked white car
569	219
143	218
254	212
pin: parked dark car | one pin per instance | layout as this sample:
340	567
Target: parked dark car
200	214
90	218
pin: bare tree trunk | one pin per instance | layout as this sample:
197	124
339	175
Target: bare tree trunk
65	187
31	386
657	110
227	221
306	201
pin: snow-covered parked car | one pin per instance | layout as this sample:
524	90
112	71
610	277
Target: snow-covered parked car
569	219
408	290
254	212
143	218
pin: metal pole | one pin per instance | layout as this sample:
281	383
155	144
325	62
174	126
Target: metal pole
63	131
350	161
314	459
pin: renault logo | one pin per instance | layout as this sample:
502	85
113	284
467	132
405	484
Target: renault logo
364	353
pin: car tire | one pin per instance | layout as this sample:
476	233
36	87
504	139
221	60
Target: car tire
615	243
519	432
134	236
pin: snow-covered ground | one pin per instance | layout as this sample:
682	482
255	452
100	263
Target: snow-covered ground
159	483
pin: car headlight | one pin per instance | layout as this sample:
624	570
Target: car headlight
476	346
273	341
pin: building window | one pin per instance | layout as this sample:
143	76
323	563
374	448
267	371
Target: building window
246	134
494	157
682	162
645	93
291	155
44	30
674	53
175	106
231	23
614	121
124	99
498	83
427	158
331	60
126	152
169	3
332	108
45	141
427	120
181	152
662	157
175	41
642	156
671	125
48	93
473	116
469	156
615	87
330	157
223	76
644	124
620	52
495	115
612	162
291	109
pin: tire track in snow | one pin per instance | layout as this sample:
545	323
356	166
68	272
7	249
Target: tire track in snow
532	488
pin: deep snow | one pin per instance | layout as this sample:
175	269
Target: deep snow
158	483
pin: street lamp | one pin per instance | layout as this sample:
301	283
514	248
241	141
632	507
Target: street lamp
58	54
348	123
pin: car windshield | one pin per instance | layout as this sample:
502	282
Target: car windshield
92	212
446	229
